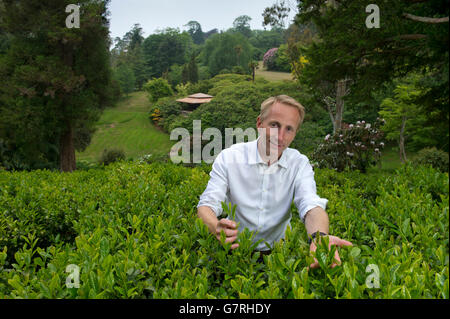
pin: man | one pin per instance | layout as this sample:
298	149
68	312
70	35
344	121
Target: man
262	178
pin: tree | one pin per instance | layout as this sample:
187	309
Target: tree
370	57
225	50
406	121
193	70
276	15
166	48
357	60
264	40
241	24
56	80
253	65
126	78
195	30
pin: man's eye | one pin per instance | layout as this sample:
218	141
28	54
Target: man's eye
274	125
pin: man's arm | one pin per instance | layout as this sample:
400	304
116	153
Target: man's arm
208	217
317	220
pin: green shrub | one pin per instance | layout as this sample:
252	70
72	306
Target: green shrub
112	155
434	157
158	88
163	112
134	233
356	146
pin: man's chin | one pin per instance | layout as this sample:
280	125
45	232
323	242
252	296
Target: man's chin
276	150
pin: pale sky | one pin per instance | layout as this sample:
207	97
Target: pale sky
160	14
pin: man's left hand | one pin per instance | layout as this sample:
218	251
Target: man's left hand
333	240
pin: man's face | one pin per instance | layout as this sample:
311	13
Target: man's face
280	127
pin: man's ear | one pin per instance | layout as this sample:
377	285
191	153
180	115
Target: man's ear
258	122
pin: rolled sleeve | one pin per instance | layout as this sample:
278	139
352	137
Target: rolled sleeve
217	188
305	193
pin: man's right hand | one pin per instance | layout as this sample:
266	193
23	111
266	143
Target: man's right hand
229	227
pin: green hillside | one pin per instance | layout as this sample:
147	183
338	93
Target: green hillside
127	127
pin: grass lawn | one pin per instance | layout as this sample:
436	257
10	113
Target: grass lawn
272	76
127	127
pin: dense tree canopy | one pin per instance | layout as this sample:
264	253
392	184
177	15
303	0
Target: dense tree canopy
165	48
55	80
225	50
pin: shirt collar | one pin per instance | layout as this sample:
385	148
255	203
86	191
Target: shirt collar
255	158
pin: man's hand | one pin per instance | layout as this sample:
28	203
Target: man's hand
229	227
333	240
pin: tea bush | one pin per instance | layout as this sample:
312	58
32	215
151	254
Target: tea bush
132	230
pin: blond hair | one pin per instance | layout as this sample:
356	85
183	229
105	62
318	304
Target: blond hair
282	99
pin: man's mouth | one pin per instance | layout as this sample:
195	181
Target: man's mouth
276	144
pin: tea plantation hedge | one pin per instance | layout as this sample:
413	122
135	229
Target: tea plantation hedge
132	231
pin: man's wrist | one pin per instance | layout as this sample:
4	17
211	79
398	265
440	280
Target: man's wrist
313	236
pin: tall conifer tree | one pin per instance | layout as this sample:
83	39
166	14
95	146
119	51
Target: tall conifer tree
56	78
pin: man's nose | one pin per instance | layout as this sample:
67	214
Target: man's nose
281	135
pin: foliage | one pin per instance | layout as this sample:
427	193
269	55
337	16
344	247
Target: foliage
354	147
189	72
163	112
418	132
309	137
54	79
276	59
434	157
276	14
133	232
347	49
128	53
282	63
125	76
225	50
158	88
241	24
112	155
164	49
264	40
195	31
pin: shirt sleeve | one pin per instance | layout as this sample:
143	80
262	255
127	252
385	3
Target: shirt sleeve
217	188
305	194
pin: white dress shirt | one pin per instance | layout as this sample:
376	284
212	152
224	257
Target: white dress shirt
263	194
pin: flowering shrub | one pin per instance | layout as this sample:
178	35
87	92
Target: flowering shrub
355	146
269	58
164	111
